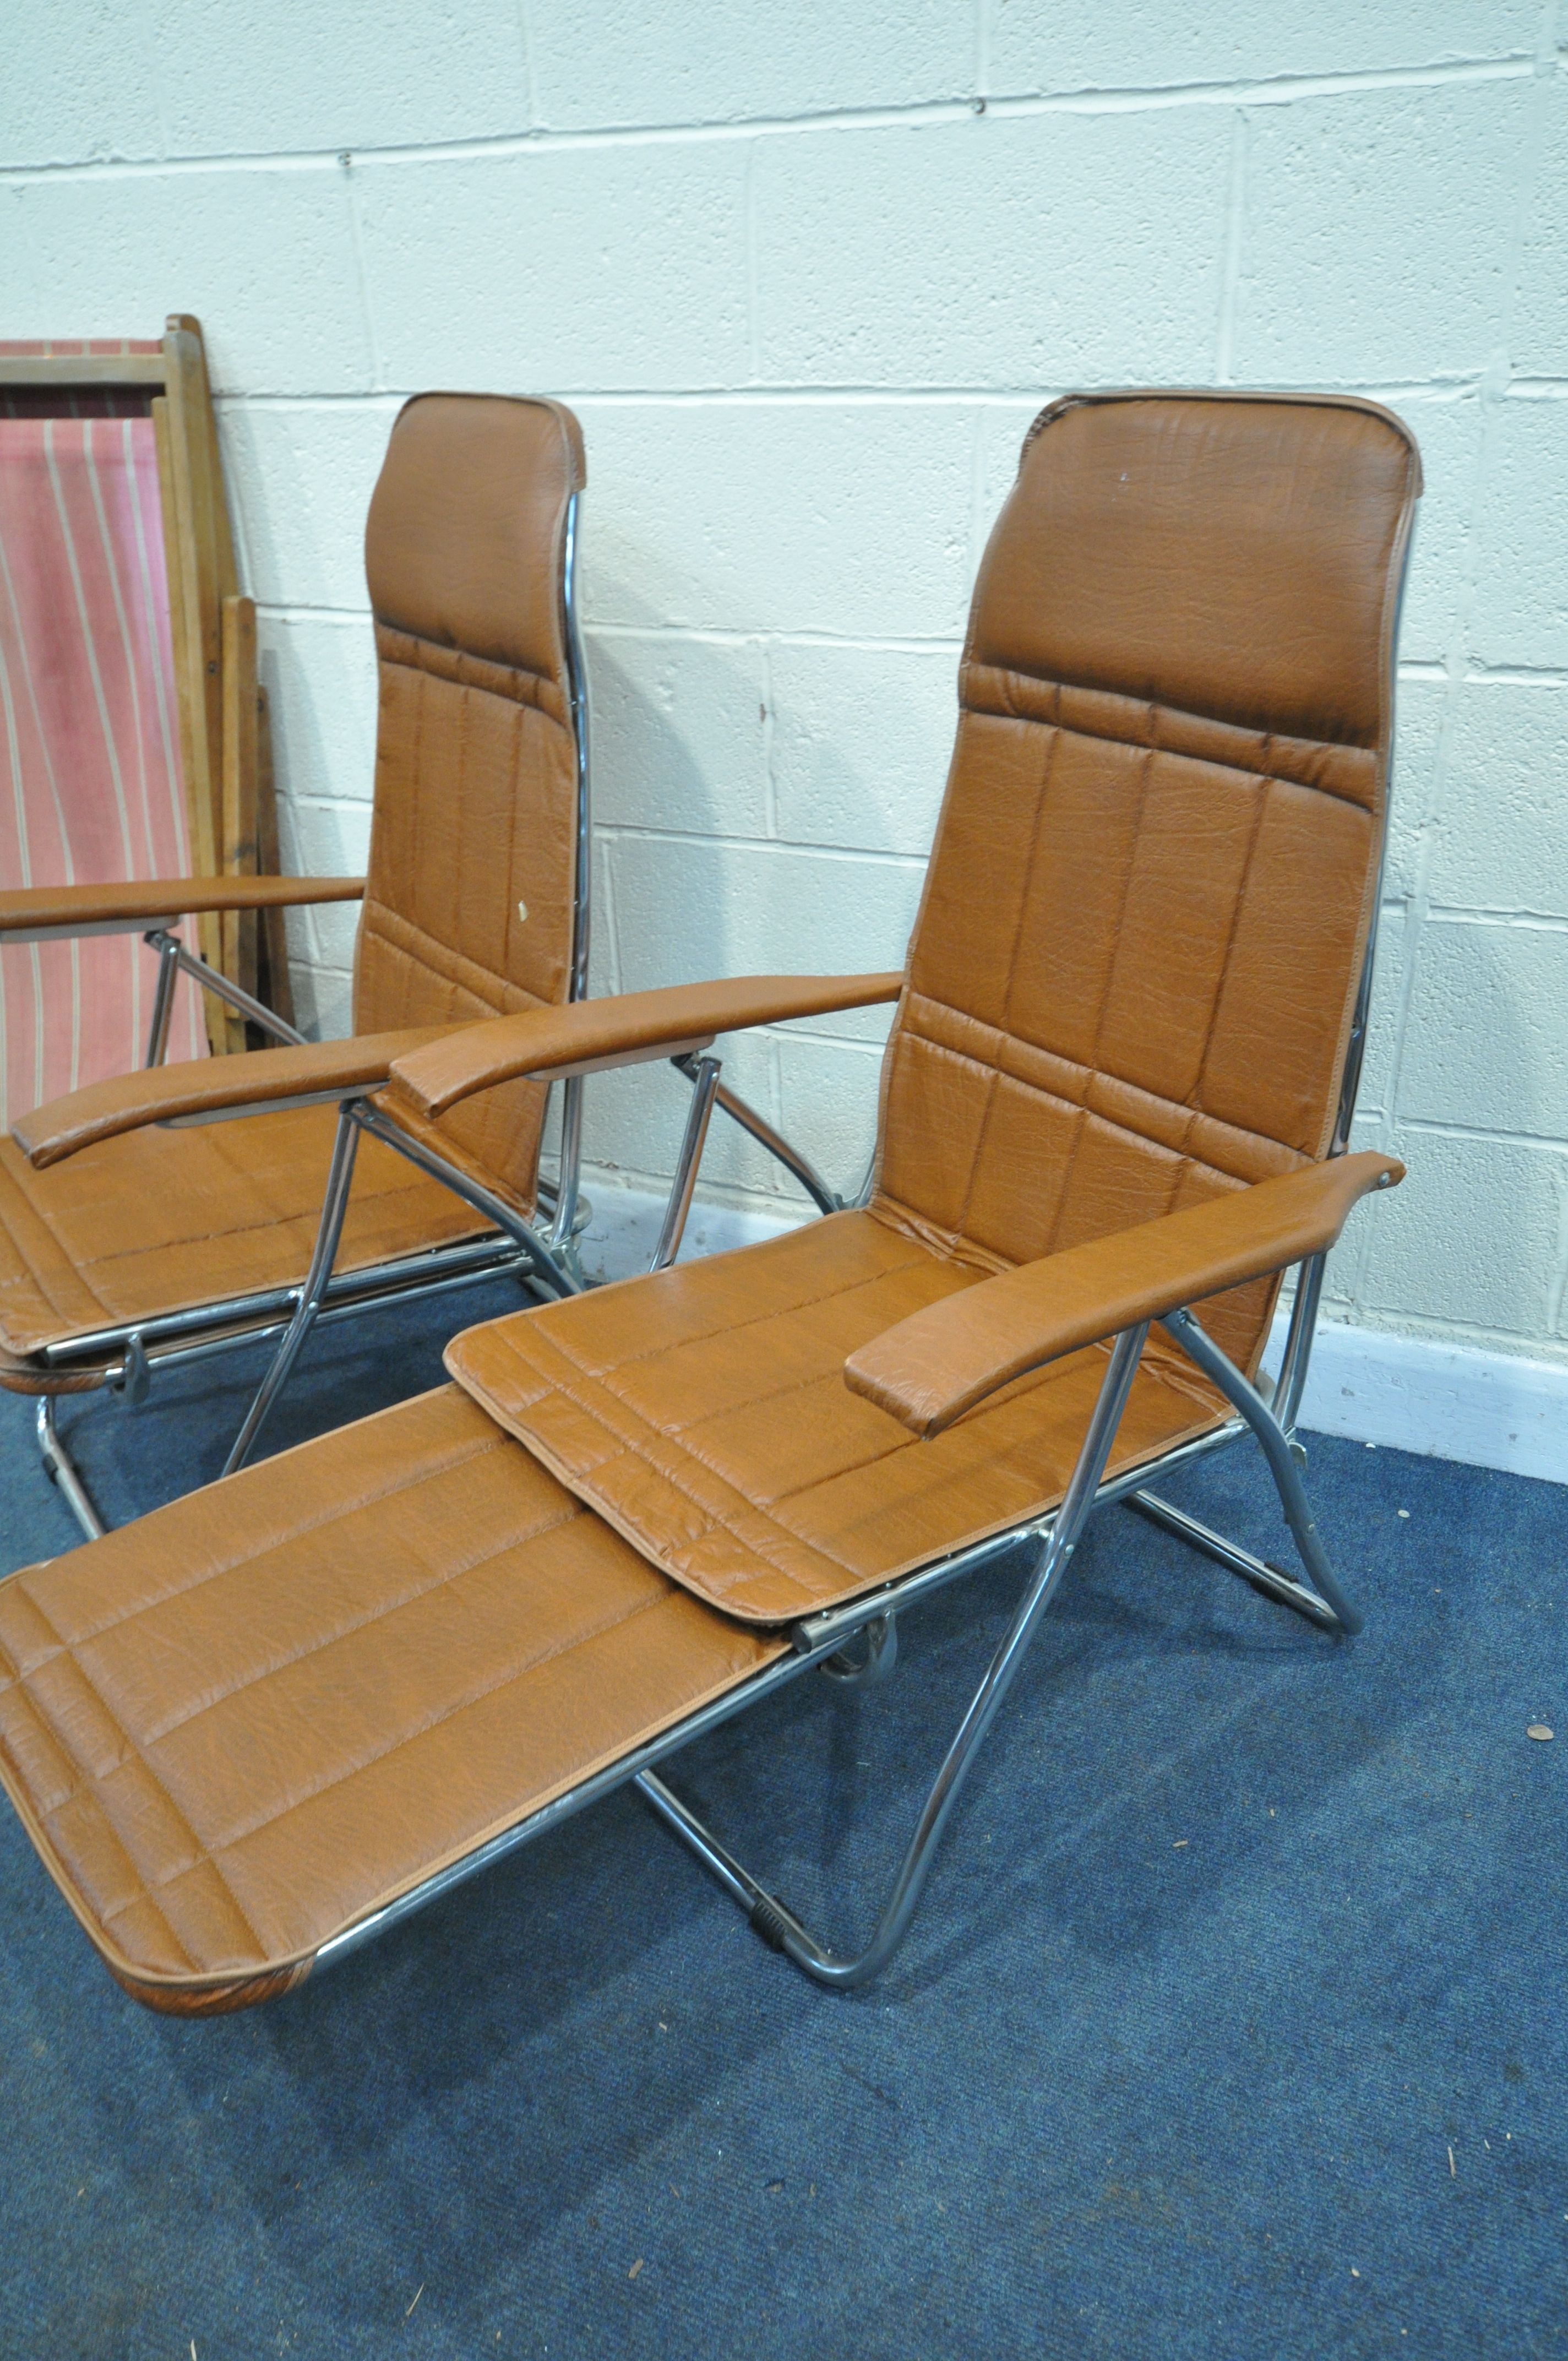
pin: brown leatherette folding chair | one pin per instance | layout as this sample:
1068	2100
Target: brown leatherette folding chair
157	1217
276	1717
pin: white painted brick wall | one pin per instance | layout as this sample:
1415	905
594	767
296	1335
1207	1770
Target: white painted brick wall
806	274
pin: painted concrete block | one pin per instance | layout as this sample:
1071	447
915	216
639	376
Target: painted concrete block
1506	1202
618	61
323	1004
1388	985
1501	839
264	258
679	733
841	517
80	84
993	251
829	1093
320	675
295	75
619	266
1448	430
1377	227
1539	338
1145	46
1521	586
1487	1047
860	743
685	910
1419	709
301	480
634	1119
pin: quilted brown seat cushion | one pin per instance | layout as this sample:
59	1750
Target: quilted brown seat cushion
704	1413
239	1726
157	1221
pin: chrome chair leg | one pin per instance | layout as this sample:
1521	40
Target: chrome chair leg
61	1469
168	949
1326	1603
339	1180
778	1926
705	1085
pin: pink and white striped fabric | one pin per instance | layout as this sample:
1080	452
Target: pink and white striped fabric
90	780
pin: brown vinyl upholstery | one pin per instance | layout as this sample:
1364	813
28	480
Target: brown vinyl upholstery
236	1729
1130	991
474	822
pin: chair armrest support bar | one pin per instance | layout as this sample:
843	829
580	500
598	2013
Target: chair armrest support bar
938	1363
548	1044
34	914
210	1088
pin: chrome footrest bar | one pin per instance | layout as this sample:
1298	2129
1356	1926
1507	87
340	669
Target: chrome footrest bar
1271	1580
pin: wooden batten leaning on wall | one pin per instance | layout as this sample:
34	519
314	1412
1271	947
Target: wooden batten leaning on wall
224	741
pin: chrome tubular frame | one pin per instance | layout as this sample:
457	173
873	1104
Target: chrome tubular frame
705	1089
169	951
739	1112
816	1641
339	1181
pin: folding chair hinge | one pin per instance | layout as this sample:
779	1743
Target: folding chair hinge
135	1375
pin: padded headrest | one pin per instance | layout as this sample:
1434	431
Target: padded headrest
1228	555
462	542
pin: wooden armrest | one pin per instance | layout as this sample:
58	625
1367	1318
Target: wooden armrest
212	1087
933	1366
33	910
586	1034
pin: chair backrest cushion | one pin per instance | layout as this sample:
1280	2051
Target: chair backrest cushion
1131	980
469	903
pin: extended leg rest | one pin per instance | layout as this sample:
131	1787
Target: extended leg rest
248	1722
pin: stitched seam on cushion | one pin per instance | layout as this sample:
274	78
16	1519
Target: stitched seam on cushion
714	1519
1178	1107
1269	738
430	967
402	1482
721	1328
462	1704
362	1623
993	1086
1236	907
88	1783
524	674
34	1273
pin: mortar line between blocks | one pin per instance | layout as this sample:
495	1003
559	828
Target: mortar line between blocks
1281	90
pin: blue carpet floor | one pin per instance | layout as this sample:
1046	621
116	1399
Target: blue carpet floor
1231	2024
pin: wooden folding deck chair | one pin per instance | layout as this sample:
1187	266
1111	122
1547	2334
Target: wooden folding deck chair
130	1242
137	740
276	1717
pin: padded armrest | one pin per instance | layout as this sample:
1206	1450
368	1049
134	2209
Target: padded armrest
938	1363
68	909
590	1034
213	1086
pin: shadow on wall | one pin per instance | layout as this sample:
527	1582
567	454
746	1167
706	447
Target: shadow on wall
1473	1064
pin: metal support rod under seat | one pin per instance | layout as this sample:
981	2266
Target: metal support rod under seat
339	1181
705	1083
1221	1371
779	1927
168	949
61	1469
741	1113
